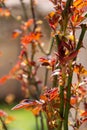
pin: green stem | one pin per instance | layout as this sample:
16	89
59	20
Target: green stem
46	77
37	128
41	120
51	46
84	28
49	50
83	31
68	4
65	15
68	96
55	83
33	14
61	107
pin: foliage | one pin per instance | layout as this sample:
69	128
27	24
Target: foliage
57	100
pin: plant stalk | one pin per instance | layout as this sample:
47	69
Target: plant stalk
24	10
61	107
68	96
41	120
3	124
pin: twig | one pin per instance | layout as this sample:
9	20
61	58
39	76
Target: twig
24	10
42	123
32	56
33	15
48	53
61	107
4	126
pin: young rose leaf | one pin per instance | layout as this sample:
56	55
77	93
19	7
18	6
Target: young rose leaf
26	103
43	98
71	56
3	113
16	33
27	39
37	110
84	120
84	113
44	61
53	20
79	69
4	79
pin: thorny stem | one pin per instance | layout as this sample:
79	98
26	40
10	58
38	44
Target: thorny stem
70	80
55	83
4	126
68	96
65	14
68	4
24	10
61	107
84	28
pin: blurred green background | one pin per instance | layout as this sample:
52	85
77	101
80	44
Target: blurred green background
23	119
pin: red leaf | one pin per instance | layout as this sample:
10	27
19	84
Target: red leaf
16	33
37	110
84	113
26	103
71	56
4	79
44	61
84	120
2	113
